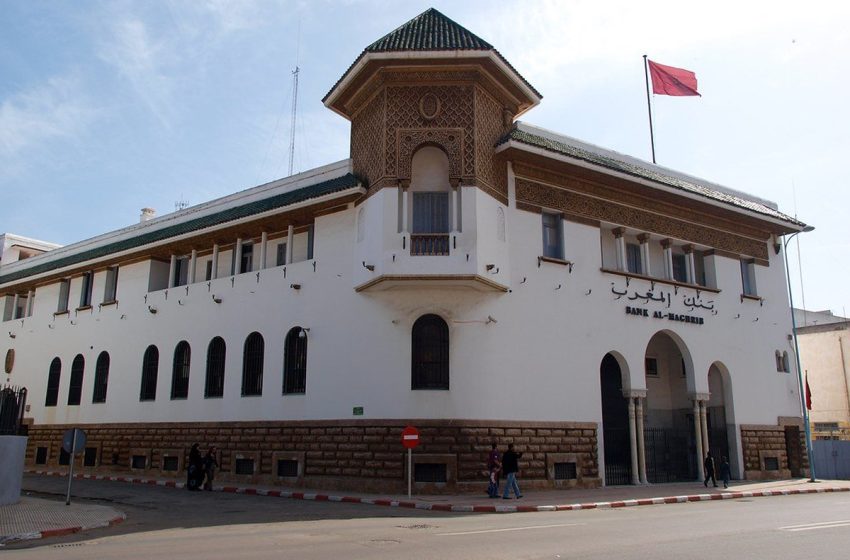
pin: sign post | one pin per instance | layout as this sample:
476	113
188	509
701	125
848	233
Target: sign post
73	441
409	439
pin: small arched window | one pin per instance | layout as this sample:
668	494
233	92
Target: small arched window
216	352
252	365
53	375
786	364
150	368
180	371
75	390
295	362
430	353
101	378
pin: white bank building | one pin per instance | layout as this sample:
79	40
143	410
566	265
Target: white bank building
477	277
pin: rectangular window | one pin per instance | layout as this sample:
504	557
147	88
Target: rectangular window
430	212
634	263
90	457
651	366
565	471
281	254
139	462
21	308
430	472
247	262
181	272
86	290
208	274
287	468
553	236
771	463
680	267
170	463
310	240
699	268
244	466
111	289
748	277
40	455
64	457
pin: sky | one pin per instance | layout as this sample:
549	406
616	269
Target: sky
109	107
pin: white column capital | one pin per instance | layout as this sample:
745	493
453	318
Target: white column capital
634	393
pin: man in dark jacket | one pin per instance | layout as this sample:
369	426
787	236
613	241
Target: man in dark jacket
510	467
709	470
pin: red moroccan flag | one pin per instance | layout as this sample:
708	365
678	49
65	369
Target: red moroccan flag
808	393
667	80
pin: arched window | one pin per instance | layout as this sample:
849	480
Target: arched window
53	375
252	365
430	213
430	352
216	352
180	371
150	367
295	362
75	390
101	378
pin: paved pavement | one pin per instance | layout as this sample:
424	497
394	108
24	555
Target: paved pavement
37	518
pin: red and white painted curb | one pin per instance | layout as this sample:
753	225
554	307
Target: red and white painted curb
61	531
454	508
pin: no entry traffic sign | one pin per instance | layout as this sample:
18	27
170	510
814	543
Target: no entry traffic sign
410	437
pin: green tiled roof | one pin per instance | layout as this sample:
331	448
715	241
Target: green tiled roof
151	235
430	31
631	166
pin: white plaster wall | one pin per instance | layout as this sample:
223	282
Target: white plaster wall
827	366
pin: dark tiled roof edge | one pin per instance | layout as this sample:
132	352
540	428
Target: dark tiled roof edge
249	209
642	172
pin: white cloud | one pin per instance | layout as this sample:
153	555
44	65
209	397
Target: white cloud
56	109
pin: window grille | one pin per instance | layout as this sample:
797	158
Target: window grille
75	390
252	365
295	362
430	472
430	353
651	366
430	224
101	378
634	263
150	367
170	463
245	466
287	468
53	376
180	371
565	471
40	455
139	462
680	268
216	353
771	463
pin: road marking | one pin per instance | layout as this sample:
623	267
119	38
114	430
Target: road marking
511	529
816	526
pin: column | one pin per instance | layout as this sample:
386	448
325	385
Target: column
644	253
290	233
666	244
214	271
172	271
237	257
264	240
15	299
641	446
633	441
703	419
689	264
620	245
698	436
30	302
193	266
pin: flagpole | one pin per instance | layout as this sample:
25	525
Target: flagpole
649	108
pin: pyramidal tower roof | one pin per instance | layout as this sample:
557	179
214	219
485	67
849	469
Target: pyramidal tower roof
430	35
430	31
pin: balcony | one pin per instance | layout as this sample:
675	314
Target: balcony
429	244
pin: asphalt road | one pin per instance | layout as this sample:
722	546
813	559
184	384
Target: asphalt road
163	523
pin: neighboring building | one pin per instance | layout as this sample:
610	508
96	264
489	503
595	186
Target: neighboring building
825	361
478	277
14	248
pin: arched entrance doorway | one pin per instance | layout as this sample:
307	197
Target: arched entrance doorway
669	440
720	416
615	423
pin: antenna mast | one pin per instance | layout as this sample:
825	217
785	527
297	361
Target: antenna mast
292	118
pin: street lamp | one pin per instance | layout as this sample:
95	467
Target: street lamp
806	426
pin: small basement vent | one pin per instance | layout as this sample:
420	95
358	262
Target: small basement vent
244	466
429	472
771	463
170	463
138	462
90	457
565	471
40	455
287	468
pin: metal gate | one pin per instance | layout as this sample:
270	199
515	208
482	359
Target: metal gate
718	444
669	455
618	458
832	458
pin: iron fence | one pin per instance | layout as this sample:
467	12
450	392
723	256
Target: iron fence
13	402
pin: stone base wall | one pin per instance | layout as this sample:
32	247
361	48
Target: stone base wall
356	455
766	452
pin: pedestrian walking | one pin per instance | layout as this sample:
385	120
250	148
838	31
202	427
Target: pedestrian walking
494	468
195	469
210	465
708	466
510	466
725	471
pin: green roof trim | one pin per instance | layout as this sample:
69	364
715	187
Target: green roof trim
282	200
648	171
430	31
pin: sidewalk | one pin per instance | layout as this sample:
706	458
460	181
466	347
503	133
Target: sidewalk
37	518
